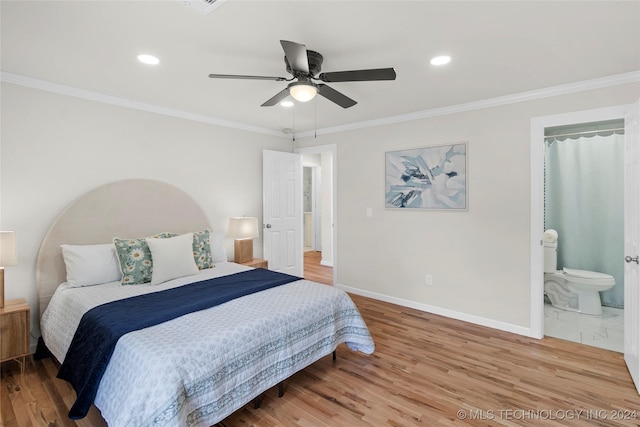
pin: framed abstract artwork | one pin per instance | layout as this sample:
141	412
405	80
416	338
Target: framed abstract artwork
427	178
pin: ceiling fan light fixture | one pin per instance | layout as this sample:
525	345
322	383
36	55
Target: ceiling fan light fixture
303	91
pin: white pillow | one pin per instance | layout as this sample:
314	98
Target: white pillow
91	264
172	258
216	243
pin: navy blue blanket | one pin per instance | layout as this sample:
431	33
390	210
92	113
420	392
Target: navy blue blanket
101	327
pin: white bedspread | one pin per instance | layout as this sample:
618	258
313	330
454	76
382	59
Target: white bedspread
197	369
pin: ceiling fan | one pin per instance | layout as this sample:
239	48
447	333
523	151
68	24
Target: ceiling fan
304	65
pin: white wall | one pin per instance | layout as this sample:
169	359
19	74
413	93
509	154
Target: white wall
54	148
480	259
327	208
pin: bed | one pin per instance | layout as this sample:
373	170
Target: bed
198	367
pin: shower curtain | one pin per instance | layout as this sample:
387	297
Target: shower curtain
584	202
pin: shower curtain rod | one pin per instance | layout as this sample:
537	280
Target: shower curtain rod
583	133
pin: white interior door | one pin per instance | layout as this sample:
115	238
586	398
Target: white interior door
632	243
282	211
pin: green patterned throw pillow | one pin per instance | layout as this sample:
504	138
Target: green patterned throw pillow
135	259
202	249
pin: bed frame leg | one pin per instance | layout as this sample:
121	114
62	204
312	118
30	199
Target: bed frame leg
256	401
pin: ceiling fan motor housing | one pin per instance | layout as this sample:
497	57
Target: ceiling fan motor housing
315	64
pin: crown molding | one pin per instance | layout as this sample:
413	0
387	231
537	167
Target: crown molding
608	81
127	103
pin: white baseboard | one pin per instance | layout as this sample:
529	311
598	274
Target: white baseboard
465	317
326	263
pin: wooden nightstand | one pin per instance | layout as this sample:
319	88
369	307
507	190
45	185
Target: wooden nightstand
257	263
14	331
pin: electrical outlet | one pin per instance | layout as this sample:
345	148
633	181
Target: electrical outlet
429	280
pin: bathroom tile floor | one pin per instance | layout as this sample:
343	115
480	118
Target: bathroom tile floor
604	331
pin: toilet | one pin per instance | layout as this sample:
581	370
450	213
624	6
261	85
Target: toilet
570	289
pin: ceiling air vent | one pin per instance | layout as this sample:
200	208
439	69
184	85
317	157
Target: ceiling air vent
204	7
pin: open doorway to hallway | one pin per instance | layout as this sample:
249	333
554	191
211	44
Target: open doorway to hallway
319	200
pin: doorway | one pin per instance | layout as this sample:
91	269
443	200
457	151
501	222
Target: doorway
584	207
320	213
538	126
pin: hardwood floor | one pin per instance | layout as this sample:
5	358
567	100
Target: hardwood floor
313	270
37	398
427	370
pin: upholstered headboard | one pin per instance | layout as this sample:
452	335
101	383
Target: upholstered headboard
128	209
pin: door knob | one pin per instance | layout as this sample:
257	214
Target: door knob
267	226
629	259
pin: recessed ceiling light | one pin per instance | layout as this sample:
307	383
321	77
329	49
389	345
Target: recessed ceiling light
286	104
440	60
148	59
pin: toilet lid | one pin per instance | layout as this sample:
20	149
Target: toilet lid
584	274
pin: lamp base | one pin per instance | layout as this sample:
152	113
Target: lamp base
243	250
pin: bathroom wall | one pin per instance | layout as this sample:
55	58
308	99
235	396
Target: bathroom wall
307	206
307	194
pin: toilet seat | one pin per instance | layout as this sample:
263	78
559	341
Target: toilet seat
584	274
600	281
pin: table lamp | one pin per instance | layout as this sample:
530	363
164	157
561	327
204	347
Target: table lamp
243	229
8	257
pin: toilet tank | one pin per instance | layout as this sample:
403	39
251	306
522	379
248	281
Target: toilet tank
550	257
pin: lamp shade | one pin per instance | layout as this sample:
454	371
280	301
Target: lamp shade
243	227
302	91
8	250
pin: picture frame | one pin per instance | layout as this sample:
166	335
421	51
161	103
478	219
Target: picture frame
432	178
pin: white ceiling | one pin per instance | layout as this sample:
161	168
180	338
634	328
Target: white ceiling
498	49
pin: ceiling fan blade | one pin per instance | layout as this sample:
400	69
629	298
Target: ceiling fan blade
335	96
359	75
276	98
296	54
235	76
